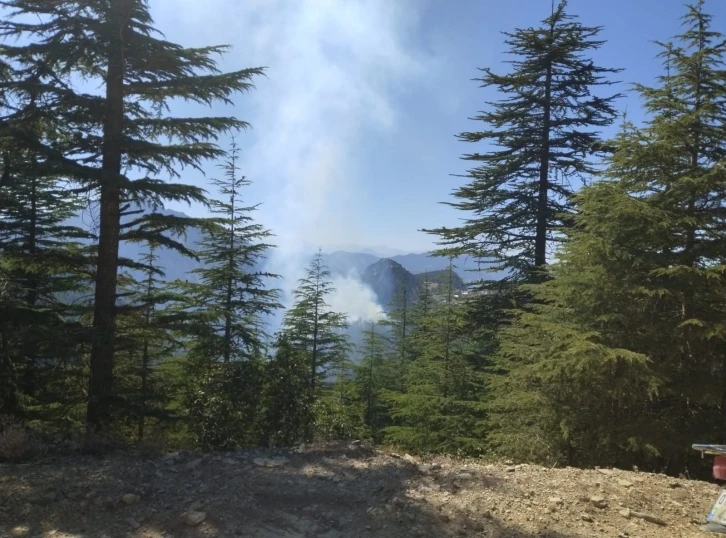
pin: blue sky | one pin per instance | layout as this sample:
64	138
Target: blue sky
353	139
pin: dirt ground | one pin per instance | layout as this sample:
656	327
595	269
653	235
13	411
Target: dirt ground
338	490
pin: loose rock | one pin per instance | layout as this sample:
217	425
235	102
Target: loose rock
171	457
193	519
606	472
194	464
650	518
130	498
271	462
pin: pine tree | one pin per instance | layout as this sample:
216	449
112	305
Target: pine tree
229	302
398	322
107	136
150	323
287	401
315	331
544	129
631	328
312	328
441	409
675	163
376	373
232	291
43	265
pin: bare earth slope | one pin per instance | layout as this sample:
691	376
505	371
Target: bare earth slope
338	490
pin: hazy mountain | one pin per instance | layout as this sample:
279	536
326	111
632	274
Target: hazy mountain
343	262
441	278
465	266
340	262
386	277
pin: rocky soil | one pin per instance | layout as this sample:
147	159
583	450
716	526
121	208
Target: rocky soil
338	490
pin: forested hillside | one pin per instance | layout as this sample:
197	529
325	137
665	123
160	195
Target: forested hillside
593	334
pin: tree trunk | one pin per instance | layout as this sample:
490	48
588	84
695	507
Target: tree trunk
145	354
540	242
228	321
314	354
98	416
32	284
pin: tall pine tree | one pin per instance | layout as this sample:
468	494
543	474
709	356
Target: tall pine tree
114	134
398	321
376	373
544	130
312	327
230	301
232	290
316	331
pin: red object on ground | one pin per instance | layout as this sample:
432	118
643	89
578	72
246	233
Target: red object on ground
719	468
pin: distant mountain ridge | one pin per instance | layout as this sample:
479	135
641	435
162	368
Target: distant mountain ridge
340	262
343	263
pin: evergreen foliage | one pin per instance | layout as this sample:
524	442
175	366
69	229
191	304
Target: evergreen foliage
545	131
43	268
440	409
316	332
616	362
312	328
378	371
398	320
228	304
149	327
102	139
287	400
231	291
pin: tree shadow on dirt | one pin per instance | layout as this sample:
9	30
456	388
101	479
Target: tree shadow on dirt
335	491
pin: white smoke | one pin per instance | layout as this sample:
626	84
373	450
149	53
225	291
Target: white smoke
333	68
355	299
